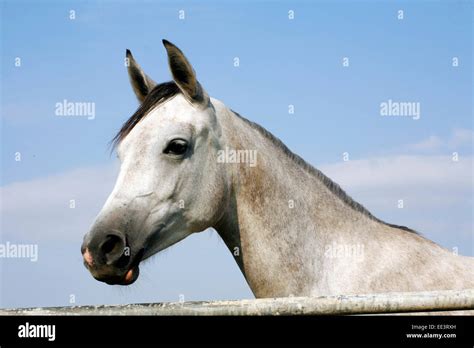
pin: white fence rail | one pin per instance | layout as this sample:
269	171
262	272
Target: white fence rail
383	303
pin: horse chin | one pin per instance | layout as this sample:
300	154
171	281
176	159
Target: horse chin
127	278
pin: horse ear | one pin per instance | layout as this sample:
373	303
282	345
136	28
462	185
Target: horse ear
184	75
141	83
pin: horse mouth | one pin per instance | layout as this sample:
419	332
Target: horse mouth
129	278
134	271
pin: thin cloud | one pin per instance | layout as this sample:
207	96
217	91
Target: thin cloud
459	138
403	171
40	209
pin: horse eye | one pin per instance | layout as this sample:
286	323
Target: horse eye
176	147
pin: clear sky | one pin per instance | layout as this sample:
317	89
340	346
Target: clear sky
283	62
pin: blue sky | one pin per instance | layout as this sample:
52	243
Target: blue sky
282	62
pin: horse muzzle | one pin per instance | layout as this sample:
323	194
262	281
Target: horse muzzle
110	259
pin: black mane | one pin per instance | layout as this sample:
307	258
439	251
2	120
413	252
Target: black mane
158	95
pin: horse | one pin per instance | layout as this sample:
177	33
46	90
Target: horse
186	166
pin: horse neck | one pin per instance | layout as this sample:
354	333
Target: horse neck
280	215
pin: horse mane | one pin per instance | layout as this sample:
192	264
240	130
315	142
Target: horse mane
331	185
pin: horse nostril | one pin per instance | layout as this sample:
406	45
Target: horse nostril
112	247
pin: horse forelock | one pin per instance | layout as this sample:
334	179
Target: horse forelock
158	95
